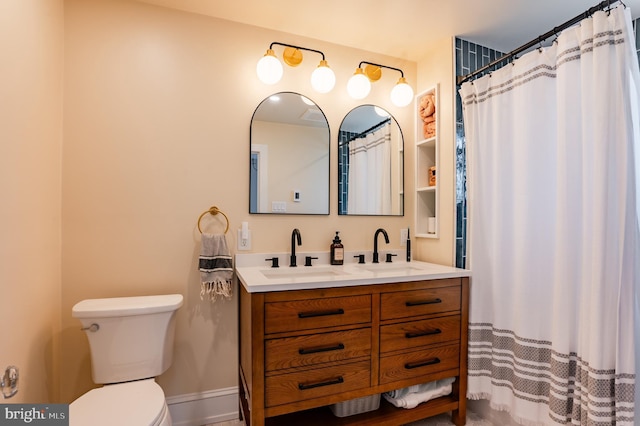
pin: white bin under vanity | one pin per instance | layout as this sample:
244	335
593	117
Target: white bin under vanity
310	341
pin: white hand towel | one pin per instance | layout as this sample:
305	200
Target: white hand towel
216	267
399	393
425	392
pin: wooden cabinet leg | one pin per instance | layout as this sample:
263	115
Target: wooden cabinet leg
459	417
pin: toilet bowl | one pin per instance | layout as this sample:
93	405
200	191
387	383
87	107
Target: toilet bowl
131	342
139	403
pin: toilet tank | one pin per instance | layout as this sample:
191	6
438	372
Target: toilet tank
130	338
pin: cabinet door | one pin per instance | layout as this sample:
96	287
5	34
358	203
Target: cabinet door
413	334
419	363
317	313
315	349
403	304
309	384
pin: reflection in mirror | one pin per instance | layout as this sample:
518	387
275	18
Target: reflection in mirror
370	163
289	164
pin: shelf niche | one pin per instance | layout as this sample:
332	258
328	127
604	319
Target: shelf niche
427	136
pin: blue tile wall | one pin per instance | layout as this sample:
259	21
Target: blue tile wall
343	170
470	57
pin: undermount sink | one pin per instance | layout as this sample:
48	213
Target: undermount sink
391	267
306	272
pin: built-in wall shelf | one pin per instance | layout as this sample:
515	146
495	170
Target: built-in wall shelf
427	137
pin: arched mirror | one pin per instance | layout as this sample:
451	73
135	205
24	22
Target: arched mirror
289	164
370	163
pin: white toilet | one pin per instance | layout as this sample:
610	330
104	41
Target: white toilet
131	342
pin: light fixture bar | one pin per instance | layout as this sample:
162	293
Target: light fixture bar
296	47
381	66
269	68
359	84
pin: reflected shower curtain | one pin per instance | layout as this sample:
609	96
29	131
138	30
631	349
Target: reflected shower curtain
369	189
554	244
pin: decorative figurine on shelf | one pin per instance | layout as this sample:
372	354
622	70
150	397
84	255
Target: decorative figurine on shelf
427	111
432	176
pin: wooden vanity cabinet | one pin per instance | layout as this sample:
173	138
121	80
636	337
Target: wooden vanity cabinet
303	350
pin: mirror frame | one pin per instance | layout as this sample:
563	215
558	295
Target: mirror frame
325	211
403	163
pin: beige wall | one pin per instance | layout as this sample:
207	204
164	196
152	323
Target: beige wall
31	43
157	106
156	118
437	68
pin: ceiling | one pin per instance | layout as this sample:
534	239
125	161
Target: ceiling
399	28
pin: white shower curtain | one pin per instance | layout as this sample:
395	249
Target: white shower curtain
369	190
554	243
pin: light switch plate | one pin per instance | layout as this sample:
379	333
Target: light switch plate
278	206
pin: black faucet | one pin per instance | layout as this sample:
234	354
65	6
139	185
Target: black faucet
375	243
294	234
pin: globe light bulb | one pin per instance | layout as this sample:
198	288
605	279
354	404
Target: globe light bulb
358	85
323	78
269	68
402	93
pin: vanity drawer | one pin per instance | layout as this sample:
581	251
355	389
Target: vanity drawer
288	388
402	304
408	335
419	363
317	313
301	351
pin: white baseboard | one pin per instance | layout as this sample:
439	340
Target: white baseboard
202	408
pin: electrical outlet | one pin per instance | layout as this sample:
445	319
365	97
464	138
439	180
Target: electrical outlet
403	236
246	243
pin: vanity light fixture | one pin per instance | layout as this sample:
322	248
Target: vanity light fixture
270	70
359	84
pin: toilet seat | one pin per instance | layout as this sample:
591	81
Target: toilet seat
139	403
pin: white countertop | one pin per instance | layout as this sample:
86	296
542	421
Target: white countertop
256	274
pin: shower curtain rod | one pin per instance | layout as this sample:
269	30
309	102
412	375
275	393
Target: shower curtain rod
601	6
366	132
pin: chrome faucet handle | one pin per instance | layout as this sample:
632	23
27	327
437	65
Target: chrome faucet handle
295	237
93	328
274	262
375	242
308	259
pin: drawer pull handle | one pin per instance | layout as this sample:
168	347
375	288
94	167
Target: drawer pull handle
336	381
317	349
423	333
311	314
424	302
412	365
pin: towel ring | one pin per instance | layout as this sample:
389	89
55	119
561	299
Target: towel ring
213	211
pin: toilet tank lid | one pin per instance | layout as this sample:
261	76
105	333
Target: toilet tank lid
126	306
